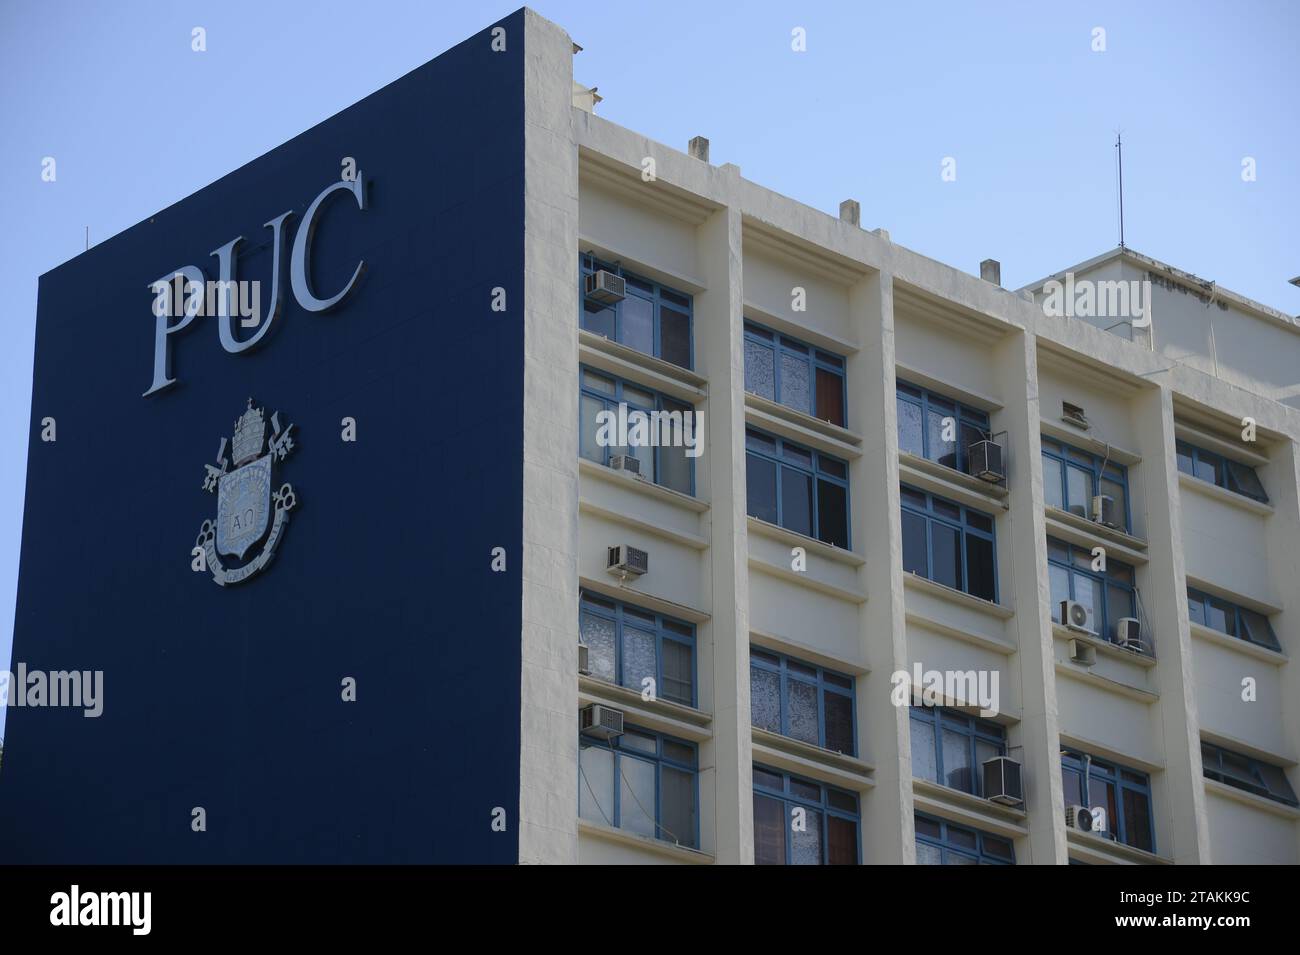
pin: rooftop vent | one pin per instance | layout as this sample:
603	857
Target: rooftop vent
699	148
851	212
991	271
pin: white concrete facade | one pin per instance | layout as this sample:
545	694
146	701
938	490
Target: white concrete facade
739	250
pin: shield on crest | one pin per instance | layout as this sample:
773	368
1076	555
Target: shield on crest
243	507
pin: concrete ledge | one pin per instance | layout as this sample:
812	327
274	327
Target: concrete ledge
944	481
809	654
1210	635
610	588
1262	803
807	580
641	486
1222	494
784	423
692	385
597	830
789	755
1099	849
1086	533
806	421
965	809
917	582
811	544
674	719
690	540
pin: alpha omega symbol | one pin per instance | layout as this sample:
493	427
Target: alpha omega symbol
246	504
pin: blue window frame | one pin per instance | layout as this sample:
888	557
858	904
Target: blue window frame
802	701
794	373
1106	596
626	645
1232	619
939	842
1071	477
1226	473
920	426
797	488
799	821
950	747
1124	794
949	543
669	466
1246	772
642	782
653	318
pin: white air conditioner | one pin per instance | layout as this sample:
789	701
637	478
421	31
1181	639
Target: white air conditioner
627	561
1080	818
1002	781
605	288
600	722
1084	654
1128	634
584	661
1104	510
1074	616
984	461
626	462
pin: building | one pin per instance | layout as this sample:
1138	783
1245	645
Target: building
1069	514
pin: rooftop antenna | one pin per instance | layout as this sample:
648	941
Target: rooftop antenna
1119	157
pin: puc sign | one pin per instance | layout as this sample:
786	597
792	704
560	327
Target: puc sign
299	277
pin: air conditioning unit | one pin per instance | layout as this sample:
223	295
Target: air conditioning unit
1075	616
600	722
1073	414
627	561
626	462
1080	818
1104	510
584	665
1128	634
1002	781
605	288
1084	654
984	461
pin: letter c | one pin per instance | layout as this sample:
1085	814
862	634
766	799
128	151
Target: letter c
300	266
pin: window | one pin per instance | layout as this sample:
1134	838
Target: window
921	431
1124	794
653	318
626	645
949	543
799	489
1246	772
1071	477
1229	618
802	701
950	748
801	822
1236	477
1106	596
795	374
642	782
943	843
662	450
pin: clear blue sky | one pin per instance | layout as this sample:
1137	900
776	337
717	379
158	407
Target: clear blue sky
885	91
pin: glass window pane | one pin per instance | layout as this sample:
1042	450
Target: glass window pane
1088	592
598	319
1059	580
640	742
1072	784
806	845
596	785
678	752
760	488
1221	616
1246	481
1137	819
1204	468
981	522
1184	453
678	679
797	455
796	501
796	385
1119	603
947	555
945	452
760	370
1258	629
957	770
839	721
587	428
946	508
675	469
914	556
1275	779
1116	491
927	854
1078	491
769	831
802	716
768	779
998	848
957	858
677	805
832	514
962	838
979	567
843	839
925	826
924	761
675	336
765	699
639	661
636	795
1196	609
1101	793
757	441
598	635
830	397
639	324
909	428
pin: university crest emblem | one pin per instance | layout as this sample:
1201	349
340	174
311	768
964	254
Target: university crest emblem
246	504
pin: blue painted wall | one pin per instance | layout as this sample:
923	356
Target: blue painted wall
230	698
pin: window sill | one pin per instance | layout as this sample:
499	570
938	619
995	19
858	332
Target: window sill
1103	646
599	830
674	719
641	486
790	755
1254	801
1086	533
1082	674
949	482
1210	635
1212	442
617	358
783	424
613	589
801	419
966	809
808	654
1059	430
811	544
1100	849
1224	495
914	581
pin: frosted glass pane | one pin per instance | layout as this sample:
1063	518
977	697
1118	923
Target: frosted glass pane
924	762
636	796
806	848
760	373
1052	483
909	428
796	389
803	711
956	761
638	658
588	447
927	854
678	806
765	699
598	635
596	785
